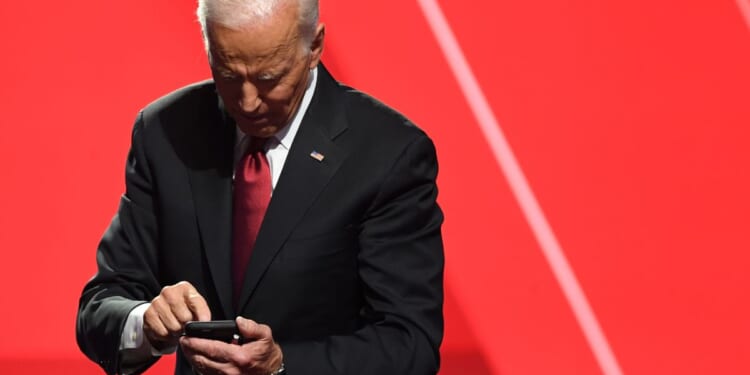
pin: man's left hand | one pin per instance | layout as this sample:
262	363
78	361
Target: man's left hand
259	355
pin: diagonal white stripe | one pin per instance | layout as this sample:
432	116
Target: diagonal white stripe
745	10
521	189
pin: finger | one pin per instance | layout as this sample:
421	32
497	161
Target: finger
193	301
176	312
179	309
155	331
261	356
206	366
164	314
252	330
202	363
186	303
153	326
197	305
215	350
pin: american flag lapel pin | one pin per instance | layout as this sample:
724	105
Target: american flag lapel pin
317	155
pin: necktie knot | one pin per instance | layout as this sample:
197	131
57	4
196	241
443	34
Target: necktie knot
256	145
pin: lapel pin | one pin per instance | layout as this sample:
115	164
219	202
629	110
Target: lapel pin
317	155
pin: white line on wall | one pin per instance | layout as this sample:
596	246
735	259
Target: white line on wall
745	10
521	189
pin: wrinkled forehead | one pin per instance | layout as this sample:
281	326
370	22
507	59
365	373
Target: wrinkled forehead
254	43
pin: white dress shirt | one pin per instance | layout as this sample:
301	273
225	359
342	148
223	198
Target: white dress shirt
133	347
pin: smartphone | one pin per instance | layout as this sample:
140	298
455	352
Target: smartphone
222	330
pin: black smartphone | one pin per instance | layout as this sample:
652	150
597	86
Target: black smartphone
222	330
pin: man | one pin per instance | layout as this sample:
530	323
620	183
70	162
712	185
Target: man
338	271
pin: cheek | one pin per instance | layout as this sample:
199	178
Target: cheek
282	91
279	96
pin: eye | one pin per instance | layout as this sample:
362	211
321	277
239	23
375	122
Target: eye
226	75
229	77
267	78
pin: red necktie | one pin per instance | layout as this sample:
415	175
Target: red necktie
252	192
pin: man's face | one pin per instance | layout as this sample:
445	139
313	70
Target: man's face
261	71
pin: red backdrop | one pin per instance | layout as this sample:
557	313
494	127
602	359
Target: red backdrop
629	120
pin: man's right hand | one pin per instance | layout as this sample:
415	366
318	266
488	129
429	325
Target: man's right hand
176	305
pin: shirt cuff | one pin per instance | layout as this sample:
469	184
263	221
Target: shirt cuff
132	333
133	339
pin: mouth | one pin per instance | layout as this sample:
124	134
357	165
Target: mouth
252	124
251	119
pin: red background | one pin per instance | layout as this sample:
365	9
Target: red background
628	118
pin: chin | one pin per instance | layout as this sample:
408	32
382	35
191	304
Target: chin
259	130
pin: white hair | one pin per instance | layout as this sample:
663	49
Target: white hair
237	13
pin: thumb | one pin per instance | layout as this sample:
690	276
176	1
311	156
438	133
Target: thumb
252	330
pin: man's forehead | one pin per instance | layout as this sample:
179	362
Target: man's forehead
275	63
257	42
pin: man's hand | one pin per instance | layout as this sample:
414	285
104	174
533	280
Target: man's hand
176	305
259	355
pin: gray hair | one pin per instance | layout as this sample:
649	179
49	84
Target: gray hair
237	13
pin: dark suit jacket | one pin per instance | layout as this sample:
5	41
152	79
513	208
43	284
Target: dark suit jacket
348	265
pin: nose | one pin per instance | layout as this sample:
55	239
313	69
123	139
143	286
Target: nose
249	100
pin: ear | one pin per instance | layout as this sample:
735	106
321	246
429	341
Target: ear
316	49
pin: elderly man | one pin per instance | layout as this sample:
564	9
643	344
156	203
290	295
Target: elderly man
275	196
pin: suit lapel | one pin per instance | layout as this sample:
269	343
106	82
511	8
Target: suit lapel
212	195
302	179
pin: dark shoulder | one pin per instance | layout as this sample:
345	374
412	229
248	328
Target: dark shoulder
372	115
186	102
188	121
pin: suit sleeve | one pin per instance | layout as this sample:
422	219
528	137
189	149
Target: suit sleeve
126	264
401	268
